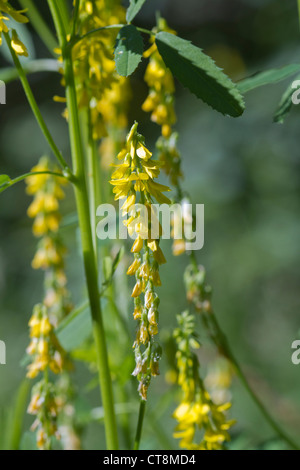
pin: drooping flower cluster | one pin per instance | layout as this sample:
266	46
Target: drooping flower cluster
44	209
45	351
197	411
17	15
44	347
47	355
99	87
44	406
133	180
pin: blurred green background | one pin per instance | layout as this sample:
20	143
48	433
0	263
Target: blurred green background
247	174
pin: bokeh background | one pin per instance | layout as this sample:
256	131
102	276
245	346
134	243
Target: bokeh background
247	173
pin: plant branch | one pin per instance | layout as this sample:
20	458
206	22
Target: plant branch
11	182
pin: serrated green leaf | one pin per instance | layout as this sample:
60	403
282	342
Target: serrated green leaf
133	9
128	51
200	74
268	77
285	104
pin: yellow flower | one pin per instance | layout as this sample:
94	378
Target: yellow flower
133	180
17	45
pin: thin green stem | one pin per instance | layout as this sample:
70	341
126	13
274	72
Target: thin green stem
10	183
103	28
35	108
223	342
75	17
39	25
94	178
140	425
86	236
298	1
146	31
64	14
33	173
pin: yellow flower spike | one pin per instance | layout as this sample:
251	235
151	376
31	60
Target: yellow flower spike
197	410
135	175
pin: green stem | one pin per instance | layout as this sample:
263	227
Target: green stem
35	108
103	28
299	10
64	13
223	342
140	425
75	17
10	183
94	178
86	236
39	25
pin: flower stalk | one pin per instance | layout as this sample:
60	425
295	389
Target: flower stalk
83	210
